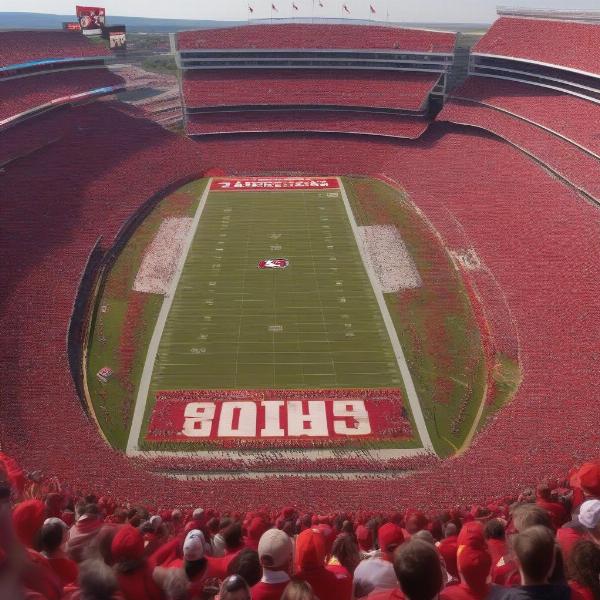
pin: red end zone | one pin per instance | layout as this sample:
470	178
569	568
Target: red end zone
279	417
249	184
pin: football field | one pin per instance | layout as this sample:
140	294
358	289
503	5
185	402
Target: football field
235	323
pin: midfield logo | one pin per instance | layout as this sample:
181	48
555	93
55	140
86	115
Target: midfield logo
273	263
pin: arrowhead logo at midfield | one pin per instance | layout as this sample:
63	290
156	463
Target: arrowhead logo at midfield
273	263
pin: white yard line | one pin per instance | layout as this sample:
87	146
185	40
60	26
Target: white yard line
411	392
344	475
142	395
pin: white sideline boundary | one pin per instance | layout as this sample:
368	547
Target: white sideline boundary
411	392
142	395
314	454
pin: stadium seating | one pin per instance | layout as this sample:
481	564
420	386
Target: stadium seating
375	89
309	120
566	159
106	166
22	94
569	116
292	35
18	47
562	43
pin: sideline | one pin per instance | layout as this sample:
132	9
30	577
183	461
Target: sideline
142	395
411	392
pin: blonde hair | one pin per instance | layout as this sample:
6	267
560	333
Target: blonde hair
297	589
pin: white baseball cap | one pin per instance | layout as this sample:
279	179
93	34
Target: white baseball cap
589	514
193	547
274	548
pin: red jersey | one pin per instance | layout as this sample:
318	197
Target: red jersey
268	591
463	592
326	584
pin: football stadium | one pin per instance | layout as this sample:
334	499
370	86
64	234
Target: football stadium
300	308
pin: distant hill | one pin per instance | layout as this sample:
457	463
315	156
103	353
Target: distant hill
24	20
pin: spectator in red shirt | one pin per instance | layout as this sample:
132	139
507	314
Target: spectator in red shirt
583	568
275	550
233	587
310	567
586	525
344	555
133	572
557	511
506	572
494	532
448	548
474	563
53	539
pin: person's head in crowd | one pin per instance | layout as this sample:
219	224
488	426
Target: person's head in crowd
364	536
535	552
530	515
100	547
589	517
494	530
256	528
310	550
589	479
345	551
275	550
246	564
390	536
474	565
224	523
417	567
415	522
233	537
297	589
213	526
28	519
53	536
97	581
451	530
127	549
234	587
347	527
193	553
198	515
583	566
175	584
425	536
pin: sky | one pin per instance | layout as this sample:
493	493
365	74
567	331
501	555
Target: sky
457	11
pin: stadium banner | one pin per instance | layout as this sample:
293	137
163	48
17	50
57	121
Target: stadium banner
249	184
71	26
91	19
302	418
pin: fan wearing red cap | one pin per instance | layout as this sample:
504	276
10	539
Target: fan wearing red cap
474	564
311	552
133	573
378	572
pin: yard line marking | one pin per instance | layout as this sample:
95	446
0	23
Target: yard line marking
411	392
142	395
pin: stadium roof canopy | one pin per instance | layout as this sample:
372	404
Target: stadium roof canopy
567	44
318	36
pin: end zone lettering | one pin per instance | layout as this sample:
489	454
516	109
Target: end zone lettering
274	183
265	416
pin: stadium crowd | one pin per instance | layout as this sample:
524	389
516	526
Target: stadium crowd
57	543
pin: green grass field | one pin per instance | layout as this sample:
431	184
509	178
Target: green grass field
313	325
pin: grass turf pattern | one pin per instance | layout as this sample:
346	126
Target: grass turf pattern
315	324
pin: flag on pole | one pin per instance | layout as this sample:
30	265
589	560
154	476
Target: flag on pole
346	9
373	11
321	4
250	9
295	6
273	7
